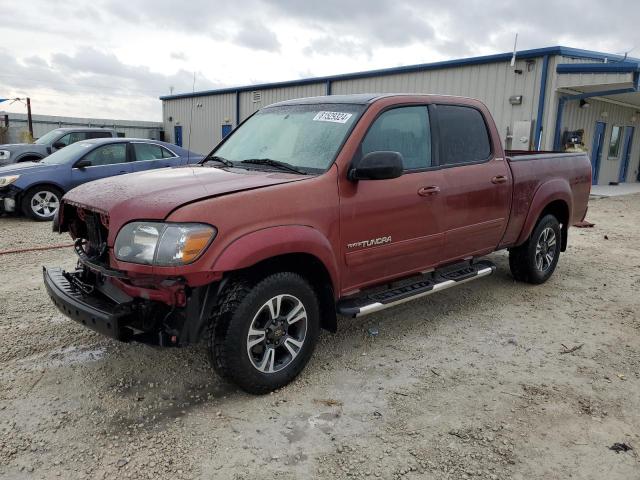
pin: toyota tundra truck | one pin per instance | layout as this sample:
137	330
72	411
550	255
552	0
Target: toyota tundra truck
311	209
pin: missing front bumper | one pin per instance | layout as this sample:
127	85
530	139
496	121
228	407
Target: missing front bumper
86	308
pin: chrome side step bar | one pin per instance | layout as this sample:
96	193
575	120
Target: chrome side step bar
439	280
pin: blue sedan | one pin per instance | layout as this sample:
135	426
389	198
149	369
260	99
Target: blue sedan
35	188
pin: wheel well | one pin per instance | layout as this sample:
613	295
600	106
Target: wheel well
29	158
560	210
312	269
39	185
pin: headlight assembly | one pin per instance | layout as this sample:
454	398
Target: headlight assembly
163	244
5	181
5	154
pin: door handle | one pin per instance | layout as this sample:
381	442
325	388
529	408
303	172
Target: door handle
426	191
499	179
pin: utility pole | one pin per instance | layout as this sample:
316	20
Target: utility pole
29	117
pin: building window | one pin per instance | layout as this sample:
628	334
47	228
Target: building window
614	142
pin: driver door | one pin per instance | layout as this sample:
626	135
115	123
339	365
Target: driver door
106	161
392	228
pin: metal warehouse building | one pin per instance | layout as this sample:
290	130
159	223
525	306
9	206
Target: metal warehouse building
550	99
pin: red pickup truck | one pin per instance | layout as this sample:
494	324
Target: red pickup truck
311	208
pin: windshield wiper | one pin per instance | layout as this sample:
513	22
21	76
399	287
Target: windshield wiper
215	158
274	163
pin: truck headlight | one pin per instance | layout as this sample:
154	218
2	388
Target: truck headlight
5	154
4	181
163	244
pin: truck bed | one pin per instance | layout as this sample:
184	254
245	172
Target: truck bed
531	170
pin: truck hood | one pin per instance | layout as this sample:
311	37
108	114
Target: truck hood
154	195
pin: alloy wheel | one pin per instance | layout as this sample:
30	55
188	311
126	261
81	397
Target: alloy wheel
45	204
545	249
277	333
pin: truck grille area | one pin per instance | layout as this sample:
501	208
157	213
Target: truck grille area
91	230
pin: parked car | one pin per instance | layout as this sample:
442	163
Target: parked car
49	143
35	188
312	207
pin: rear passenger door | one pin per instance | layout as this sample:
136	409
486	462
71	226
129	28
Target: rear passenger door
148	156
476	185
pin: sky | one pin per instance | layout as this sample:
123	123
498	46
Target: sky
114	58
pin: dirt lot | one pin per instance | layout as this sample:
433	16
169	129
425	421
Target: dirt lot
469	383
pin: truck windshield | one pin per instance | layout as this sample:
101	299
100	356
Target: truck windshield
67	154
47	138
306	137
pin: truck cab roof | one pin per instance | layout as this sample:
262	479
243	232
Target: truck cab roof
355	99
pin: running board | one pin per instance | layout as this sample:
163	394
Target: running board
435	282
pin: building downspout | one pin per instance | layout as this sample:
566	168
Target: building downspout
541	101
237	108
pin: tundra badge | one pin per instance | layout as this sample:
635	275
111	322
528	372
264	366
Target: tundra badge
370	243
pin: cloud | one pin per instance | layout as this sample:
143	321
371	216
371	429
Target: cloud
93	73
256	36
178	56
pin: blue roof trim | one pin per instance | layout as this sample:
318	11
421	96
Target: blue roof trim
499	57
610	67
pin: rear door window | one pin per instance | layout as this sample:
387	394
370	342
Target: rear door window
150	151
405	130
464	137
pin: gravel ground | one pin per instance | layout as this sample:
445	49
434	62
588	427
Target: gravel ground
468	383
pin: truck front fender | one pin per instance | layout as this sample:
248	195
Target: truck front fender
271	242
557	190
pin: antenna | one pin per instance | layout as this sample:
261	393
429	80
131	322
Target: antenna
193	91
515	46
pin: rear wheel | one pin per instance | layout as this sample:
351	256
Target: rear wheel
535	260
41	203
264	334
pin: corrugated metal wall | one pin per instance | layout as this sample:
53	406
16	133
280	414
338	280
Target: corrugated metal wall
273	95
492	83
575	118
18	126
209	114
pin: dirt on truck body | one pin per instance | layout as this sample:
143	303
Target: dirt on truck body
312	208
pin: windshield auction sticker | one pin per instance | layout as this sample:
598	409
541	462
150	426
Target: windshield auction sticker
335	117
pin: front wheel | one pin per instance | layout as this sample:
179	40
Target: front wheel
535	260
41	203
264	334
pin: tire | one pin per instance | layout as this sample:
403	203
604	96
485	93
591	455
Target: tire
49	198
531	262
252	340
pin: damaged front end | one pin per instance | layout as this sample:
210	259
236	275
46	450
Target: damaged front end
152	310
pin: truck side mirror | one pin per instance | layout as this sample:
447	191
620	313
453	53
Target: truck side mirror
58	145
377	166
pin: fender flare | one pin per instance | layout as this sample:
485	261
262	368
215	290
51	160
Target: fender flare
270	242
551	191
